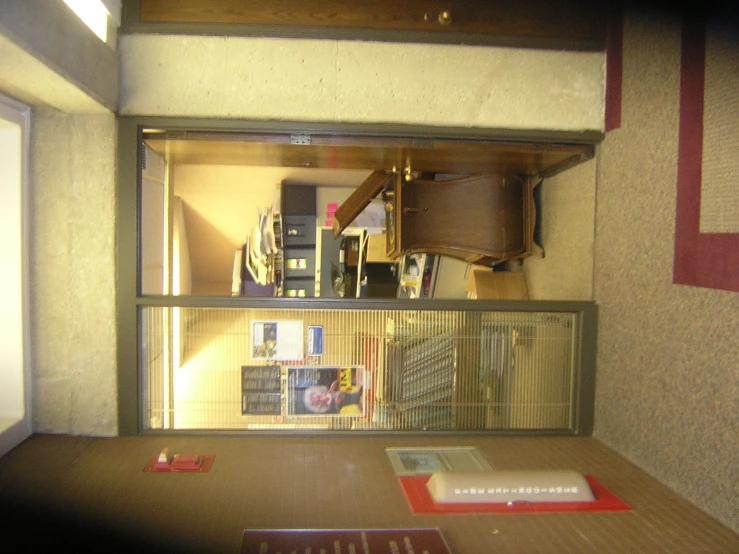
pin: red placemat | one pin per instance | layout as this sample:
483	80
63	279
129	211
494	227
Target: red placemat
206	462
420	501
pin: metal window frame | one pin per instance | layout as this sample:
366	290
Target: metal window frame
129	301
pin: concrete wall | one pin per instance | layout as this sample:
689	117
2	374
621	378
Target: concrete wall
52	61
48	56
365	82
73	273
667	384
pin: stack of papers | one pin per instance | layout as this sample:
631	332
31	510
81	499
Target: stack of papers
236	279
261	248
267	232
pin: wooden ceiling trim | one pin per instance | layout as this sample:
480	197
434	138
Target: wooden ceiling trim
560	24
458	157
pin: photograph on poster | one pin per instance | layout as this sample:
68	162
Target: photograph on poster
326	391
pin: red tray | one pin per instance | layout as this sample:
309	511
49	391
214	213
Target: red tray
200	463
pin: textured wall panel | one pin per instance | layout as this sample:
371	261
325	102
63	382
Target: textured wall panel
719	187
73	273
364	82
667	394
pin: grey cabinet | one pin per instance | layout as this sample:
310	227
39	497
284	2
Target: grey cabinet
298	198
299	234
299	230
300	262
300	288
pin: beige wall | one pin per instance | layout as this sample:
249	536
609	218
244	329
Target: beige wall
367	82
667	385
567	219
72	263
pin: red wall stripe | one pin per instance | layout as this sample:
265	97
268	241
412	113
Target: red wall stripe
614	69
701	260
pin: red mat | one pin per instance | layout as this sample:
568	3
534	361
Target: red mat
203	466
420	502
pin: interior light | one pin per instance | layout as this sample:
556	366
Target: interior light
93	13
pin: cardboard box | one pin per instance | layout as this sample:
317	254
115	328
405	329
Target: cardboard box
377	249
486	284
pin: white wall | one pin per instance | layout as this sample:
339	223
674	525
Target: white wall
15	419
181	268
11	278
366	82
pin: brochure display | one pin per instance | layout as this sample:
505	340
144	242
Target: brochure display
277	340
326	391
293	390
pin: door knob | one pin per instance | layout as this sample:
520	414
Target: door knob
445	17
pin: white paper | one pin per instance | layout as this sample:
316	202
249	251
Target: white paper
277	340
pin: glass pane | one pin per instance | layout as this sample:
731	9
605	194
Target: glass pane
239	215
393	370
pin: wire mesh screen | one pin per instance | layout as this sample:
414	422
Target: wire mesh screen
259	369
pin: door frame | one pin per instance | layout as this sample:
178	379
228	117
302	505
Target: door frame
15	376
129	302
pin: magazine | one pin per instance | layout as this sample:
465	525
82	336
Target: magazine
326	391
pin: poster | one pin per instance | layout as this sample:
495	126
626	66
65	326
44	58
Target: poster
277	340
260	390
326	391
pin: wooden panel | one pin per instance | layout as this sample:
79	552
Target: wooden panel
479	219
458	157
543	23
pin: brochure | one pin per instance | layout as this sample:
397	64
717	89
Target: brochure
277	340
326	391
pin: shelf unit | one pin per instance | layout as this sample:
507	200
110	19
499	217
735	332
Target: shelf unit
421	284
328	252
